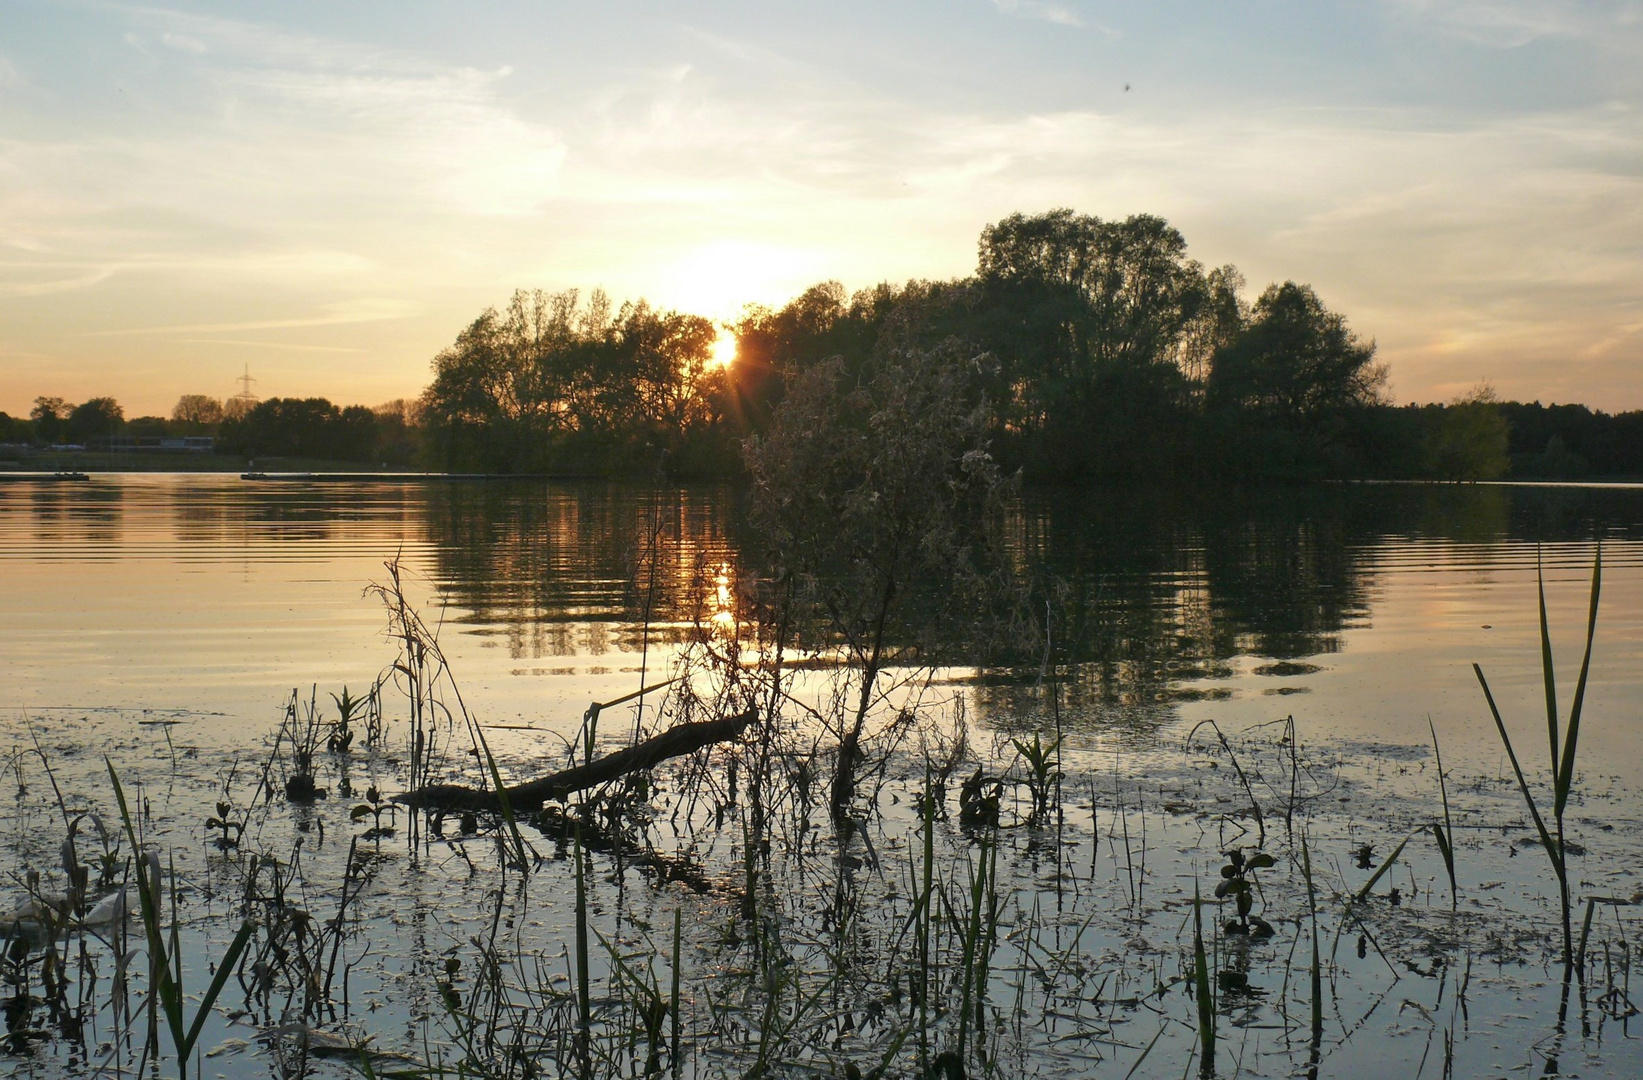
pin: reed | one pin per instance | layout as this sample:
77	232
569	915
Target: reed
677	1059
1444	832
923	915
1315	972
1562	759
165	959
977	934
1202	991
584	1006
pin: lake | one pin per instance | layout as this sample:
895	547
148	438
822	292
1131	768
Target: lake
167	618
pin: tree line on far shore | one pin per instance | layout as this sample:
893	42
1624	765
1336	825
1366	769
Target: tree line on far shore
308	428
1090	349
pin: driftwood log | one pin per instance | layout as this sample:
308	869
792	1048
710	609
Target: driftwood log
675	742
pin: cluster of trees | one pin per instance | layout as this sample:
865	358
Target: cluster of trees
1572	441
53	420
553	383
278	427
316	428
1098	349
1104	350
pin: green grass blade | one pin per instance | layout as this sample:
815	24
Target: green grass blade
1566	774
1446	851
1552	849
1317	967
1206	1003
1444	834
1385	866
1547	675
165	992
673	996
224	969
1161	1029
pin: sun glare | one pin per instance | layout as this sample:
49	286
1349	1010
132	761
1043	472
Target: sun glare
724	349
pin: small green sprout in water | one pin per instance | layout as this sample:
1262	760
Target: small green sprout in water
229	828
1043	773
374	807
1237	882
342	735
978	802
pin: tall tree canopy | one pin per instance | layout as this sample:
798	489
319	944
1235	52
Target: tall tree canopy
1295	361
551	381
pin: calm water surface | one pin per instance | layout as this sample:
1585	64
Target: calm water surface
1358	610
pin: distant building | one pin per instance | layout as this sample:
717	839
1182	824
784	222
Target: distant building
151	444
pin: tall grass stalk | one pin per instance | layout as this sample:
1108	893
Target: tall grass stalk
166	961
977	935
923	913
584	1004
1562	761
673	997
1444	834
1316	972
1201	988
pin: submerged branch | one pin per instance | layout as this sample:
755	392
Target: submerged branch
675	742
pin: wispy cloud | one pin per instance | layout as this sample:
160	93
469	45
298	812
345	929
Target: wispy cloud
354	311
286	346
1514	23
1036	9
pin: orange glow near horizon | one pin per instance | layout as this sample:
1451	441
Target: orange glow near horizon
724	350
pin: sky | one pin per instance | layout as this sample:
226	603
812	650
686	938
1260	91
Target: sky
326	193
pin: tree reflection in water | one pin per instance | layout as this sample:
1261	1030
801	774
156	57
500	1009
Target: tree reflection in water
1159	591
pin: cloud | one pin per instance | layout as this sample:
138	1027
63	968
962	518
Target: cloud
1035	9
349	113
285	345
1511	24
83	280
184	43
339	314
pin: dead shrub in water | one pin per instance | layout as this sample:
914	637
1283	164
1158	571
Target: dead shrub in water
881	507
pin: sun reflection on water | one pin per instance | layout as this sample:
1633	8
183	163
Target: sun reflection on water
723	619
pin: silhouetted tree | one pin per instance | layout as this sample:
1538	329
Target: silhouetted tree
99	418
1468	439
1292	387
15	429
551	383
1092	322
48	415
302	427
398	439
197	412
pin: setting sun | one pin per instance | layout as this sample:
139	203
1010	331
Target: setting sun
724	350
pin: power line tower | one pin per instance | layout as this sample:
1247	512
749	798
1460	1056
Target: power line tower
244	401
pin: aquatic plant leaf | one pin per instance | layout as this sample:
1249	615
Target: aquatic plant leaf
1201	984
1566	774
1385	866
1548	678
1553	852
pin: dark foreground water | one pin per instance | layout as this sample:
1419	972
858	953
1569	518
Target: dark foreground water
165	620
